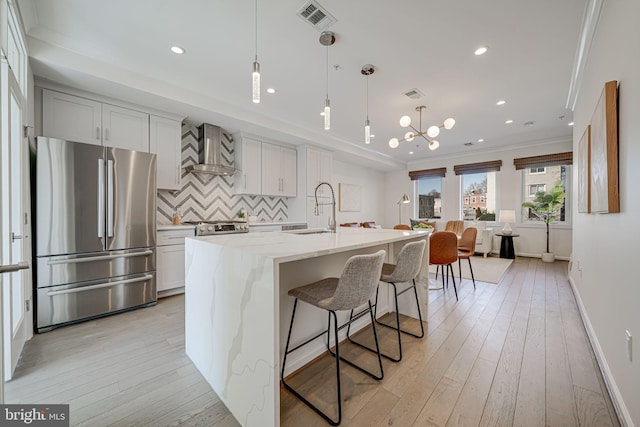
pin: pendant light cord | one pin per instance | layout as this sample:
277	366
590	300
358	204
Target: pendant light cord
256	19
327	72
367	97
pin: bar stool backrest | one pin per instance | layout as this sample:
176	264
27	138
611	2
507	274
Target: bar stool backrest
408	263
357	282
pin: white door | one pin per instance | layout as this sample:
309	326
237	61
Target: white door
14	219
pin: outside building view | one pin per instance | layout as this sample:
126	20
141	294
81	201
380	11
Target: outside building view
479	196
430	198
542	179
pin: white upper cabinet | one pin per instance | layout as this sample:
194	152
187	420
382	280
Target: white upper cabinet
319	169
71	118
278	170
165	140
75	118
248	159
125	128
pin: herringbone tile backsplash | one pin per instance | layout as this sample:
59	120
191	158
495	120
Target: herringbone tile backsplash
211	197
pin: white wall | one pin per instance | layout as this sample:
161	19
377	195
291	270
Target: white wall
532	240
371	183
605	246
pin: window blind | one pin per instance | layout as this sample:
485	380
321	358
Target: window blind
427	173
491	166
556	159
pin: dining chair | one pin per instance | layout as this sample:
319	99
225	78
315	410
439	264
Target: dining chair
443	251
466	249
401	227
456	227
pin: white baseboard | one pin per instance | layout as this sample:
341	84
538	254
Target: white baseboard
614	392
528	255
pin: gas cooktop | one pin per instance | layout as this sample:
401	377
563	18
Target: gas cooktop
208	228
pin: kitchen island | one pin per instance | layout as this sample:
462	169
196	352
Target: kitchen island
237	310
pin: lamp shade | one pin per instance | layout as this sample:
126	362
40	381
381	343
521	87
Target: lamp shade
404	199
508	215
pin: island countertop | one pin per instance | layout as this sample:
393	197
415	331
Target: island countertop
237	307
303	244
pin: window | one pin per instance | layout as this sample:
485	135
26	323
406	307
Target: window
534	188
479	196
537	170
429	197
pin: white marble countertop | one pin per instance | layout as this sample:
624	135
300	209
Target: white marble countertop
162	227
287	246
258	223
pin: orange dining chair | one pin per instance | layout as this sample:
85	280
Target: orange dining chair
401	227
443	251
350	224
368	224
455	226
466	248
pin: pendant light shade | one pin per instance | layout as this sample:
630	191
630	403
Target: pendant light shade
366	71
255	75
327	38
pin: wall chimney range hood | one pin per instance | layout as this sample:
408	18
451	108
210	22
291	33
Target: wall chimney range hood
210	160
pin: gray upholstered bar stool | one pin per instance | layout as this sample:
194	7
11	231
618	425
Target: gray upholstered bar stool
352	290
406	270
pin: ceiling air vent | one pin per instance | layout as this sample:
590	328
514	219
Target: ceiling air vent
316	15
413	94
468	144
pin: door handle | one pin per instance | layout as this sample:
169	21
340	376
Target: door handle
110	201
15	237
98	132
100	198
10	268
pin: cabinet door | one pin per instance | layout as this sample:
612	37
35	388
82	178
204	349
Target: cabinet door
271	170
71	118
313	172
249	160
165	142
170	267
125	128
288	174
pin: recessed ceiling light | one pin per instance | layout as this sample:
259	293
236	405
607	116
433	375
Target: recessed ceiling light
271	90
481	50
501	102
177	50
509	122
570	124
322	113
372	136
481	140
410	152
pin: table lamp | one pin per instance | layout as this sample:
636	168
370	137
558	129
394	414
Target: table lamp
404	199
507	216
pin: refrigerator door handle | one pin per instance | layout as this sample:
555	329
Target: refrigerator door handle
97	258
103	285
101	198
110	198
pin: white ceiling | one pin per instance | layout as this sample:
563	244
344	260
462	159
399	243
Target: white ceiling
120	48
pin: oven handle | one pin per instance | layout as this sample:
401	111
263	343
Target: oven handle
97	258
103	285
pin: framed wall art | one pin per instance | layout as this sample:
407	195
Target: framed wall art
603	181
584	186
350	197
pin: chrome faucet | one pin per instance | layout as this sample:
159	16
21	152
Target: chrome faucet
332	221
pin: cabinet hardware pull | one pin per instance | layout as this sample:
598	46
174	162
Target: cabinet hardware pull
103	285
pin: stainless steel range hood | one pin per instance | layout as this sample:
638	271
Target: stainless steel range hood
210	160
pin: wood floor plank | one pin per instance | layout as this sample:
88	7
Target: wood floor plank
513	353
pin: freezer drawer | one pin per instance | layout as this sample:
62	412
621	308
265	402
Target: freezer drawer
59	305
60	270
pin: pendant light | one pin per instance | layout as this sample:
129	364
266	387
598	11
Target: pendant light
327	38
367	70
255	76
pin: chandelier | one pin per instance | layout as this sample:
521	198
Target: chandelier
431	132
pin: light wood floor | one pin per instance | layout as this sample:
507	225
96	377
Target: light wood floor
515	353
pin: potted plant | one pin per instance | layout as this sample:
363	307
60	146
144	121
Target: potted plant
546	206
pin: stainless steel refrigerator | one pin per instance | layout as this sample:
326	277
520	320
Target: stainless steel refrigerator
95	231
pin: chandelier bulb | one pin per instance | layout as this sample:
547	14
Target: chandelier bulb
449	123
393	143
409	136
433	131
433	145
405	121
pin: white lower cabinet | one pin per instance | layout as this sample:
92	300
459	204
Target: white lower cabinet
170	261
